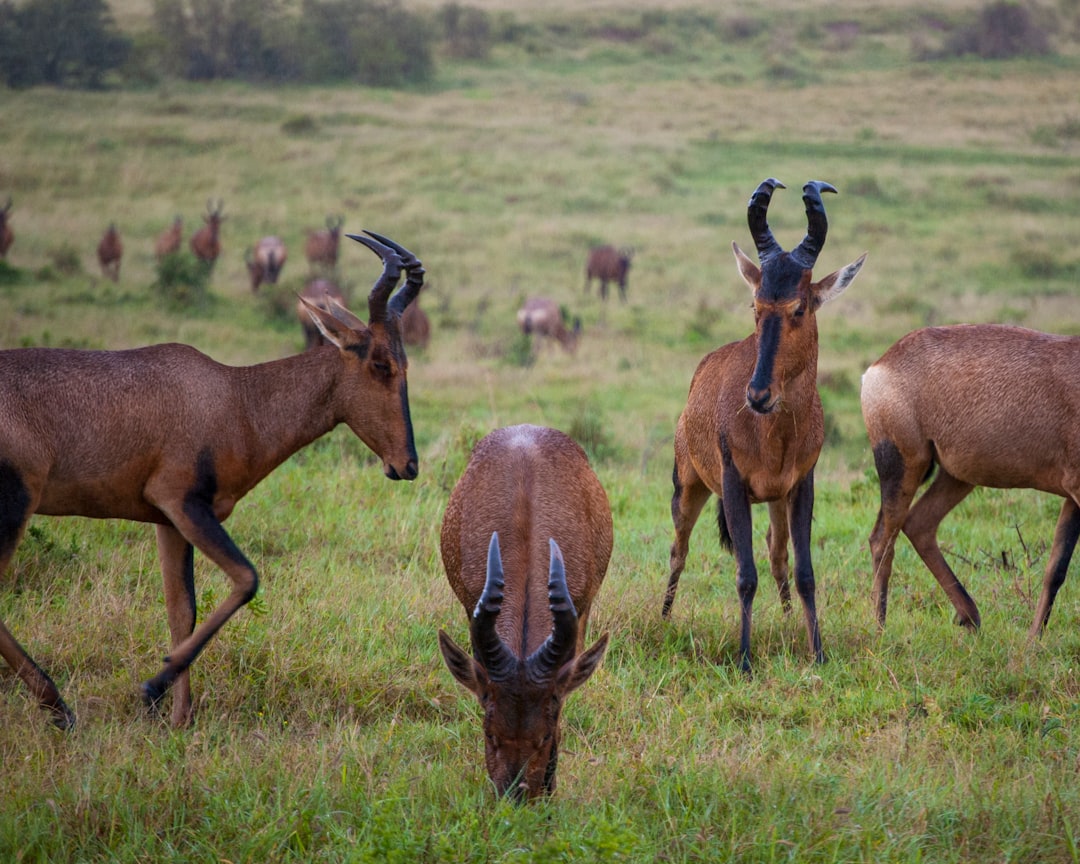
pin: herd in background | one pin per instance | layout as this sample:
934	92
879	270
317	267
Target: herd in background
527	533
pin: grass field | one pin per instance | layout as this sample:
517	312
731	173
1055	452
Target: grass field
327	727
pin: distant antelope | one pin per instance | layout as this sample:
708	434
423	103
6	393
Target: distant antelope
205	242
608	264
7	236
542	316
526	541
325	295
90	433
109	252
265	261
321	248
988	405
168	241
766	453
415	326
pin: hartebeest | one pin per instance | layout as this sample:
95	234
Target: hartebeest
264	261
321	248
415	326
989	405
205	242
109	252
7	236
542	316
526	541
608	264
753	426
168	241
326	296
166	435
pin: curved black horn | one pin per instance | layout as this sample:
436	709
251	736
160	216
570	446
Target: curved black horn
756	217
559	646
817	225
414	274
380	291
493	655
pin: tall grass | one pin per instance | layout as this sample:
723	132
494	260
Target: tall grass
327	727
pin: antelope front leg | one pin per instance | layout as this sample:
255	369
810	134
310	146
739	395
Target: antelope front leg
737	513
1065	536
801	512
177	558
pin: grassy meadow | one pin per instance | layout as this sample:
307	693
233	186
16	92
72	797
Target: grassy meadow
327	726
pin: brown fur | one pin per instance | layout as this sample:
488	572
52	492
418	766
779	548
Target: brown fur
168	436
321	248
7	236
608	264
749	440
989	405
542	316
530	485
265	261
168	241
321	293
205	242
415	326
109	252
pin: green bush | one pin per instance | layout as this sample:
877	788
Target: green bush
183	281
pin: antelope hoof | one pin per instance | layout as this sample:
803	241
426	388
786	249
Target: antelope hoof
152	693
62	718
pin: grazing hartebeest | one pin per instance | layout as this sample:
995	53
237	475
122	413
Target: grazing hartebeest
526	541
205	242
265	261
766	453
168	241
326	296
608	264
989	405
109	252
321	248
89	433
542	316
415	326
7	236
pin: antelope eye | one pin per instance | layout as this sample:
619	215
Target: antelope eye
382	369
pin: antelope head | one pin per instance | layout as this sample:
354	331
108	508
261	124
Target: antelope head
785	299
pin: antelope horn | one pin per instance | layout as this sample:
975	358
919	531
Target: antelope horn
488	647
756	214
414	271
380	291
817	225
559	646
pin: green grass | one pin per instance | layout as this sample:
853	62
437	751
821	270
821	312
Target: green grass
327	725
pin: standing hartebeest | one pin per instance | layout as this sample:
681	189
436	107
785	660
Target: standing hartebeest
166	435
608	264
989	405
205	242
264	262
542	316
109	252
7	236
321	248
168	241
526	541
753	426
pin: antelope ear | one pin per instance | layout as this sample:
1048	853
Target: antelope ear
466	671
577	671
338	325
834	284
749	271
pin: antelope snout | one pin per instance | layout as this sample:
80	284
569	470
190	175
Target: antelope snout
761	401
408	473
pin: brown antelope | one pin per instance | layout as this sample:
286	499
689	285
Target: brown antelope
109	252
7	236
753	426
526	541
88	433
321	248
168	241
989	405
325	295
608	264
415	326
204	242
542	316
265	261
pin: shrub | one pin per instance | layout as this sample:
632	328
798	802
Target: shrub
183	280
